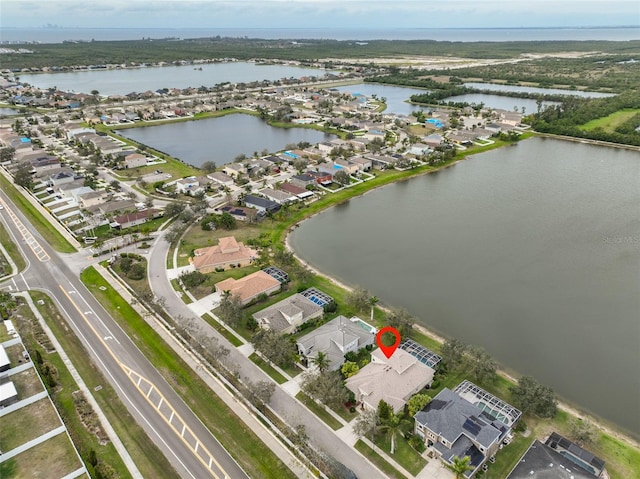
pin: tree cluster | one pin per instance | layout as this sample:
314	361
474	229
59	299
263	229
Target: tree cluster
279	349
532	397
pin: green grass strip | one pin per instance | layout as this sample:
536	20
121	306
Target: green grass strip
50	234
251	453
222	330
147	457
12	249
267	368
319	411
374	457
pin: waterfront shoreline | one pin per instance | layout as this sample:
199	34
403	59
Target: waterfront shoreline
575	410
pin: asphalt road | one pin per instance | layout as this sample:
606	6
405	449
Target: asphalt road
285	405
172	426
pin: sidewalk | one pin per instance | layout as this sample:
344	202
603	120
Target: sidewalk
265	435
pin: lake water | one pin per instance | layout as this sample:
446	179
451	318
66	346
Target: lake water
501	102
8	111
121	82
530	89
530	251
58	35
396	96
220	139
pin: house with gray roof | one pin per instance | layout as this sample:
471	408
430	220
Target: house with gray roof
261	204
559	458
336	338
288	314
453	426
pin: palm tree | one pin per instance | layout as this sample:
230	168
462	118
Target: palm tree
321	361
460	466
393	426
373	300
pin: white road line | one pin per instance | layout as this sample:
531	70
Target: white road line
150	391
195	449
210	461
160	403
172	414
184	426
139	381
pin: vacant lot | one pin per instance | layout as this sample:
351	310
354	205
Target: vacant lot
27	423
52	458
27	383
611	122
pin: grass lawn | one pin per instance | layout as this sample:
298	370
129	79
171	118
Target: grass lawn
147	457
374	457
44	227
52	458
196	237
319	411
27	384
27	423
12	250
222	330
267	368
252	455
508	457
404	454
610	122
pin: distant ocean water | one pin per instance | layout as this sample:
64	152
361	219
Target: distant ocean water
58	35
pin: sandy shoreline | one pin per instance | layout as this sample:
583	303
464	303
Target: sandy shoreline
562	405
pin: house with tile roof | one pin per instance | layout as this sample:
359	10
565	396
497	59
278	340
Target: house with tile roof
285	316
250	287
227	252
335	339
392	380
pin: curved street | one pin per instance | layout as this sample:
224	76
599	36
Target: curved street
189	446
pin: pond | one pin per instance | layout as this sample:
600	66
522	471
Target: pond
221	139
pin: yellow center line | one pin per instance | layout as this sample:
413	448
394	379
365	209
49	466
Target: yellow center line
174	414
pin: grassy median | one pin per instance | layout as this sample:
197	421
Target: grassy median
245	447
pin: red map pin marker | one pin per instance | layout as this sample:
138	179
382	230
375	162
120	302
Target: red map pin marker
388	350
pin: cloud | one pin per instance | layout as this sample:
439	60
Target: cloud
319	13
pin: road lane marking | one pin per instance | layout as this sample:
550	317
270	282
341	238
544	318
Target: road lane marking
129	372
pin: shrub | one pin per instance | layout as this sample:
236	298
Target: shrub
137	271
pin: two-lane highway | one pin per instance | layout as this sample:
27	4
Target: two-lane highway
186	442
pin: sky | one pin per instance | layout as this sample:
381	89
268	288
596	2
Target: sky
366	14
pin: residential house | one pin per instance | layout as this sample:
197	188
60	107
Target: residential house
92	198
279	196
67	189
250	287
240	212
5	363
558	458
335	339
322	177
116	206
392	380
129	220
346	165
419	149
135	160
263	205
227	252
62	177
45	163
234	169
285	316
220	178
433	140
467	421
299	192
364	164
303	180
188	186
382	161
